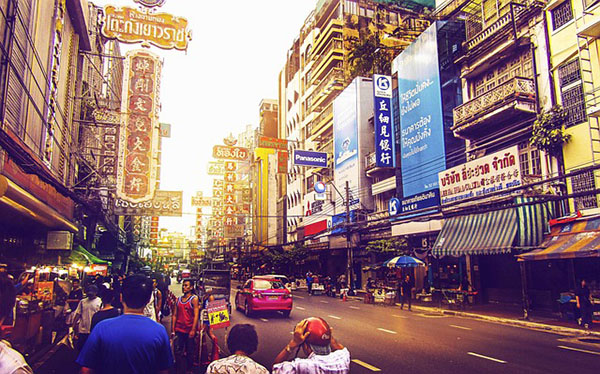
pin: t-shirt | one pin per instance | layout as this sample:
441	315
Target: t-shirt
75	295
337	362
236	364
11	361
86	309
101	315
584	295
128	344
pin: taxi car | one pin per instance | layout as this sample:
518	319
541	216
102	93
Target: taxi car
263	293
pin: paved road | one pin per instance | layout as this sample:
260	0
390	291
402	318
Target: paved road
389	340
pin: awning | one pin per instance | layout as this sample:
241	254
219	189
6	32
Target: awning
486	233
576	239
91	258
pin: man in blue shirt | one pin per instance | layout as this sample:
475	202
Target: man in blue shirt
131	343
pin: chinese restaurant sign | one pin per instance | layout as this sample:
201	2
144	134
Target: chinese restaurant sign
130	25
138	145
224	152
384	128
495	172
164	203
274	143
109	137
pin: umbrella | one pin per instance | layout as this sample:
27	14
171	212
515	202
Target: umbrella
403	262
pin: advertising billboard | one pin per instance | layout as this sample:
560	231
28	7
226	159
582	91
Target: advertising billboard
421	122
385	154
310	158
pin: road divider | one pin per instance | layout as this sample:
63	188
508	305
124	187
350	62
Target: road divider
486	357
365	365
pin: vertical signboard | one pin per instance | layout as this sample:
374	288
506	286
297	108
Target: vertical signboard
422	130
385	155
138	145
345	137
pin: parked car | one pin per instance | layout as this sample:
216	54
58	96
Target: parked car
264	293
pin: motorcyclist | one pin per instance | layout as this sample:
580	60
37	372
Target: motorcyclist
324	354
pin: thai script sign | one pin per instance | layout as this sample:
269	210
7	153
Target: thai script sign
164	203
233	231
310	158
150	3
225	152
216	168
138	143
130	25
201	201
495	172
218	316
385	155
275	143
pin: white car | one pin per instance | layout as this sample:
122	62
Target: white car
285	280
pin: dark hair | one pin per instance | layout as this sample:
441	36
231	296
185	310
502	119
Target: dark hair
7	296
136	291
107	295
242	337
92	288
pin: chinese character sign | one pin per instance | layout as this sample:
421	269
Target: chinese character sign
384	130
138	143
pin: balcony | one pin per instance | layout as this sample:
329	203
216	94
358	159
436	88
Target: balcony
512	98
334	80
332	54
320	121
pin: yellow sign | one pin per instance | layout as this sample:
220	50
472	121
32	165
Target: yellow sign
162	30
218	316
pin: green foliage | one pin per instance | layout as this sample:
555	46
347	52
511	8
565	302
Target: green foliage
395	246
368	56
548	131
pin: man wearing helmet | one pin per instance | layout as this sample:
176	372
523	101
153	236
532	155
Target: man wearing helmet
324	354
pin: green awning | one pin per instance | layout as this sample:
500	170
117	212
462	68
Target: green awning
80	253
533	221
486	233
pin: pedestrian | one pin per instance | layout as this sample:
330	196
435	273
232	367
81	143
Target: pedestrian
184	324
11	361
131	343
84	313
324	354
584	304
309	282
108	310
242	341
157	296
406	292
150	309
75	295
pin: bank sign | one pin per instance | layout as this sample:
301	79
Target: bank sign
496	172
421	122
384	128
310	158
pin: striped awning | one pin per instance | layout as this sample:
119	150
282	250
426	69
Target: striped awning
579	238
485	233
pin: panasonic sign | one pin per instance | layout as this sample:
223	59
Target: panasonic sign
309	158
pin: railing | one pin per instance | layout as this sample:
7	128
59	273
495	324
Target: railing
506	15
370	161
318	119
516	87
335	44
374	219
335	76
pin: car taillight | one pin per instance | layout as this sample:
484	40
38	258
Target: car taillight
256	294
287	296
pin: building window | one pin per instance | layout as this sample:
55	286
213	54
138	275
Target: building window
582	183
561	14
571	92
529	159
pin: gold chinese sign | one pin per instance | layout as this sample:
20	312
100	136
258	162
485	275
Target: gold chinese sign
138	143
130	25
223	152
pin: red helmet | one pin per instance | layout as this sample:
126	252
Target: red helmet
320	332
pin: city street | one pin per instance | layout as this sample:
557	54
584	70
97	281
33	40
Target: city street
390	340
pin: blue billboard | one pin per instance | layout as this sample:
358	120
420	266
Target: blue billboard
421	122
338	221
345	138
310	158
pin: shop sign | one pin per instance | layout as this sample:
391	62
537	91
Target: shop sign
234	231
216	168
229	210
496	172
385	155
201	201
109	144
274	143
138	143
229	188
165	130
130	25
164	203
282	162
230	166
318	246
150	3
217	183
247	195
229	199
310	158
224	152
230	177
317	206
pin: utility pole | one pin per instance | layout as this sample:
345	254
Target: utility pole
348	235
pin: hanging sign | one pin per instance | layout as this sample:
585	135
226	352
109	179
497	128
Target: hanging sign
224	152
384	128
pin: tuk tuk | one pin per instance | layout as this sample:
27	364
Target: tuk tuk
219	284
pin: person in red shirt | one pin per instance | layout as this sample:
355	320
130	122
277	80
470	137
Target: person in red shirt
184	326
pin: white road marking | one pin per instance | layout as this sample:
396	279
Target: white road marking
461	327
486	357
264	320
301	308
364	364
579	350
324	302
397	316
299	297
354	307
388	331
334	317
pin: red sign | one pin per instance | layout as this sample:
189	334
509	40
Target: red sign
282	162
224	152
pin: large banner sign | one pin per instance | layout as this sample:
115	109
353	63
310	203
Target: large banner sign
224	152
422	129
165	203
138	145
130	25
385	153
495	172
109	145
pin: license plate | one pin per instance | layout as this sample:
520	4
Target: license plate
273	297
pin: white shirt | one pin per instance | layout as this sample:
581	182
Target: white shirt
86	309
337	362
236	364
149	310
11	361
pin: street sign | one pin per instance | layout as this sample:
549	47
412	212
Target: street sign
218	316
393	206
320	187
310	158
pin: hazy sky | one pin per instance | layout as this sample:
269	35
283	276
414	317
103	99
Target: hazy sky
237	50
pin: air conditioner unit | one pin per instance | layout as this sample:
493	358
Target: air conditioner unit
59	240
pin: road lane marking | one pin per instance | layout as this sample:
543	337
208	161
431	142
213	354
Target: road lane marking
461	327
301	308
579	350
324	301
299	297
398	316
365	365
388	331
334	317
264	320
486	357
354	307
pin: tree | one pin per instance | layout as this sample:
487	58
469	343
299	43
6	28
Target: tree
548	131
390	246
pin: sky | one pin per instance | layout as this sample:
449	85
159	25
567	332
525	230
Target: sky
233	61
